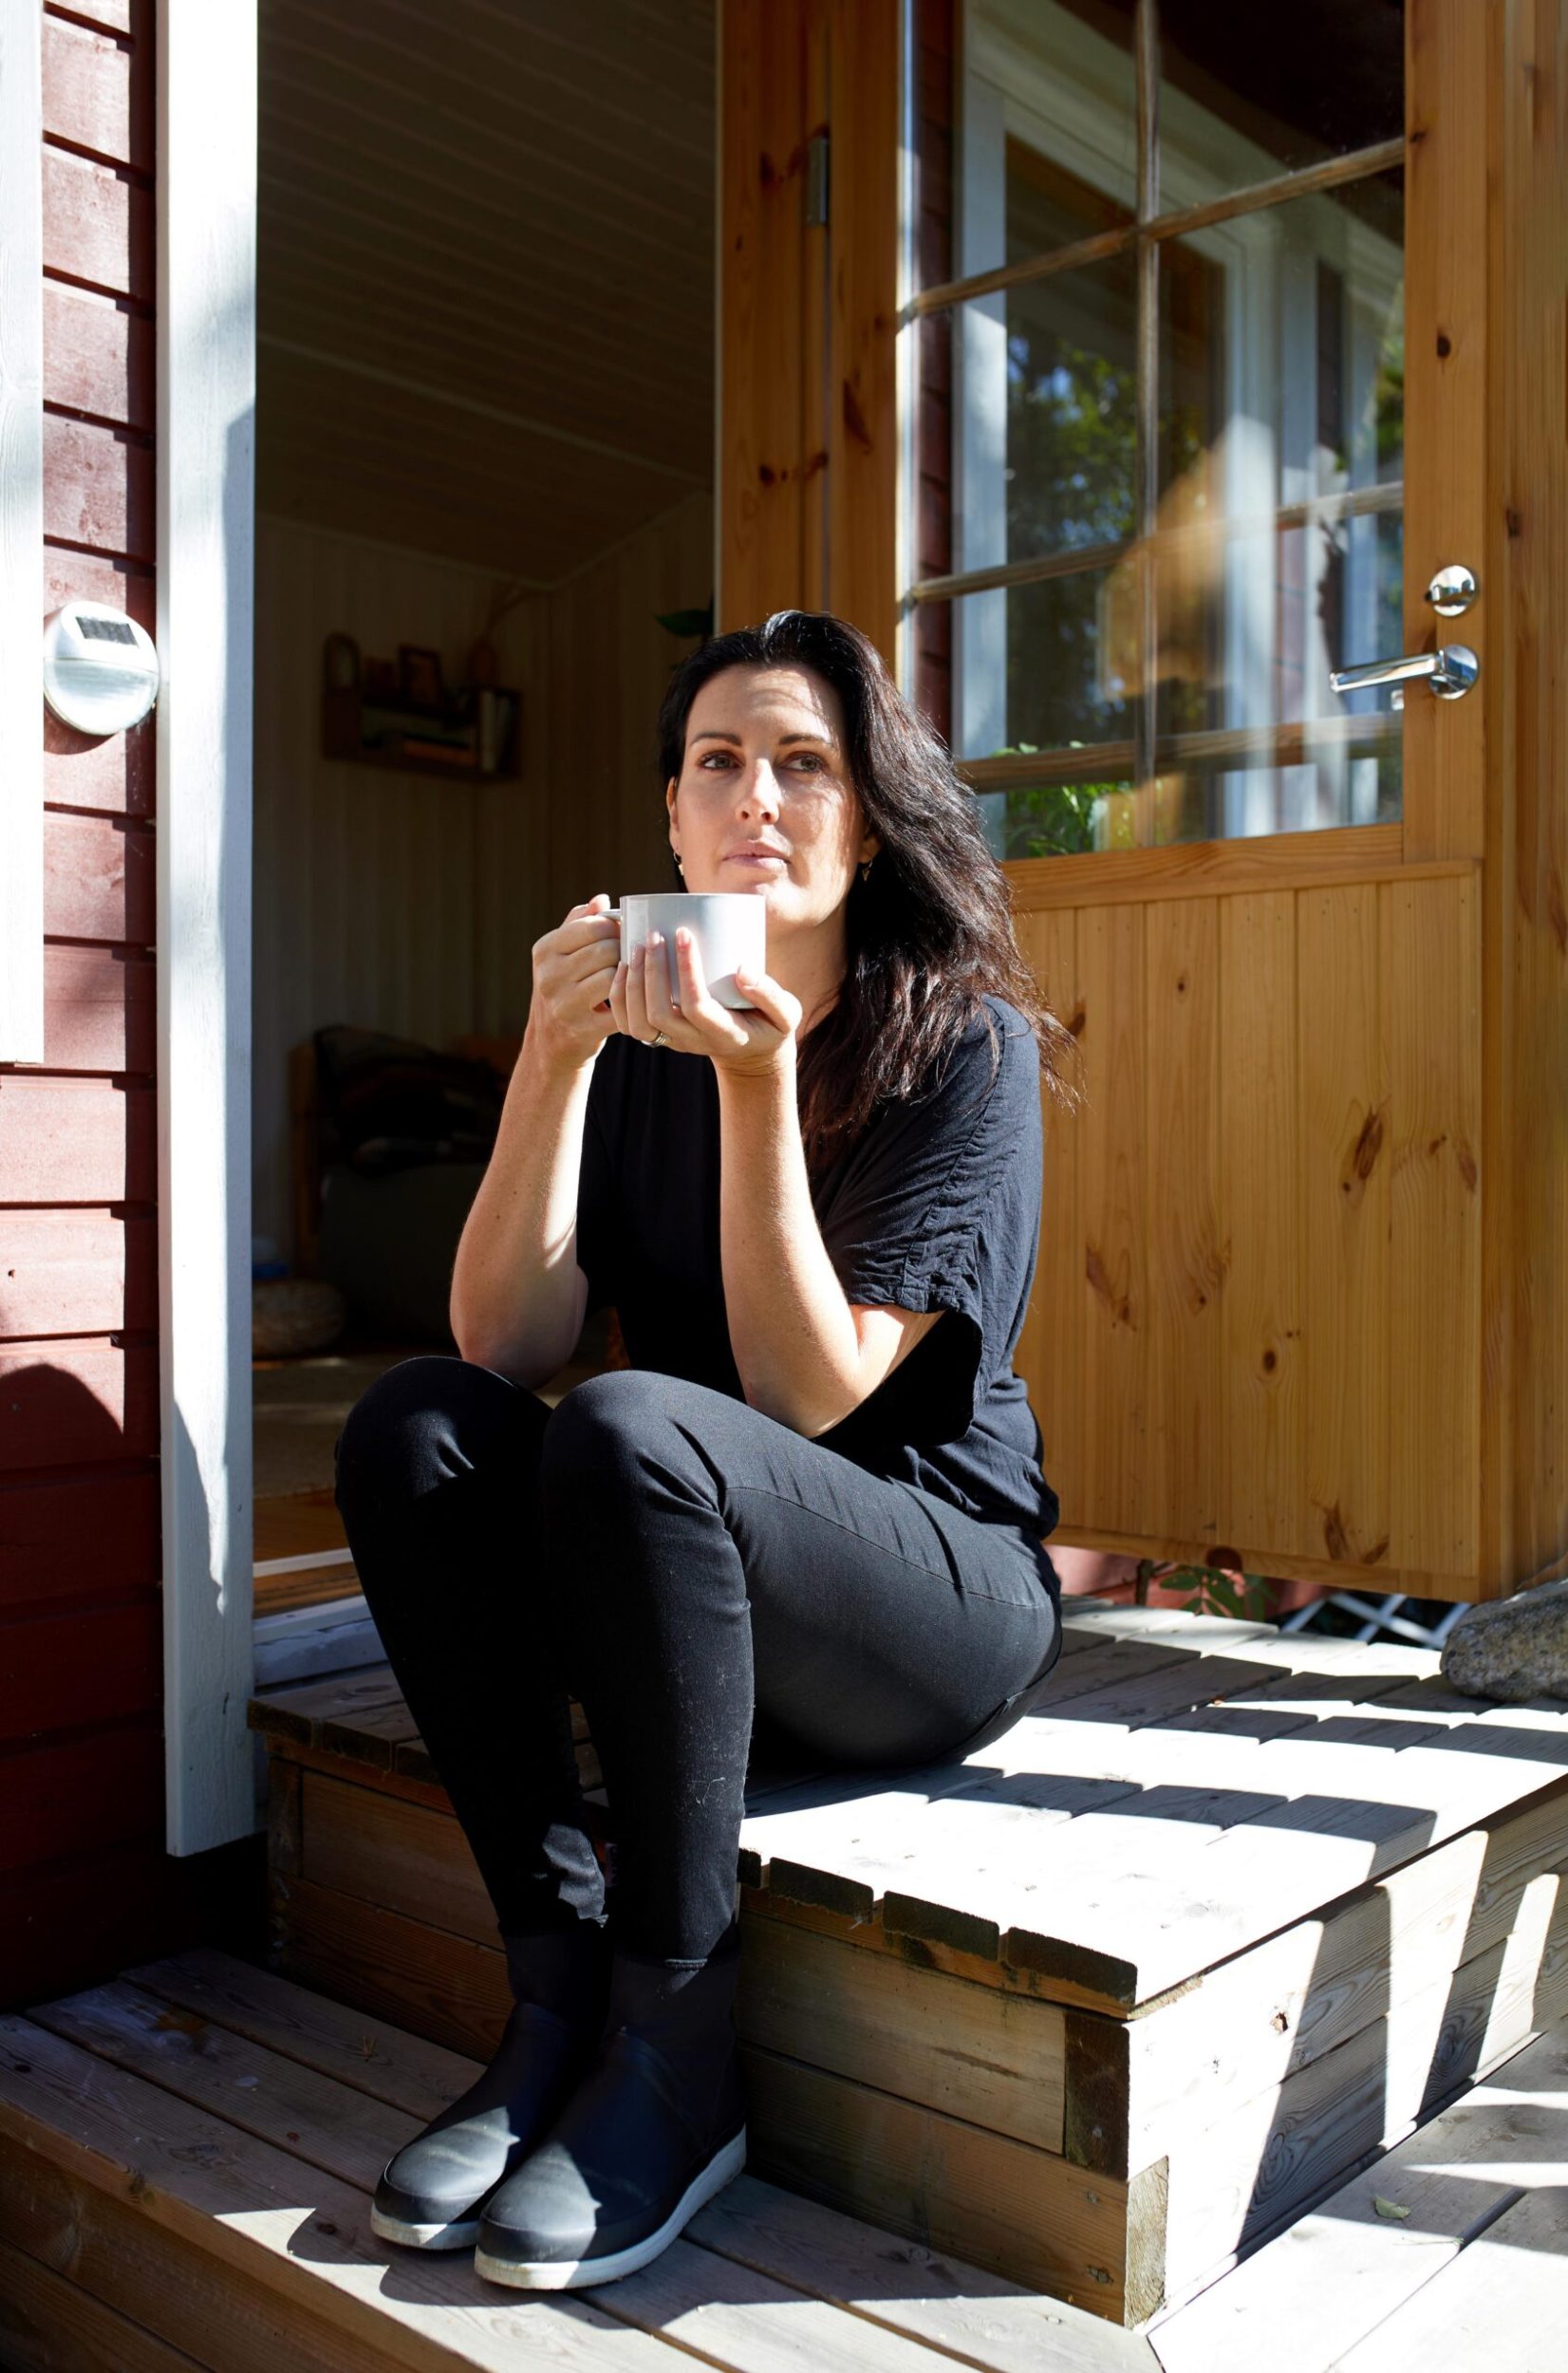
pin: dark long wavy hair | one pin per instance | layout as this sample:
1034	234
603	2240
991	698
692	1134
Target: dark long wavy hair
929	931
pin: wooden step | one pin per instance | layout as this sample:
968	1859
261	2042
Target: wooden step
1101	2008
1451	2250
187	2156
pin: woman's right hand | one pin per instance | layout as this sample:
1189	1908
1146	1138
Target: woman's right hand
573	966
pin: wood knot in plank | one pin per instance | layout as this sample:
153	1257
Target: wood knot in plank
854	418
1208	1276
1099	1278
1363	1155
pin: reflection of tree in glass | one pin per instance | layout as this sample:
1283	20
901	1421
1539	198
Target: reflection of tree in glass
1052	819
1387	398
1071	438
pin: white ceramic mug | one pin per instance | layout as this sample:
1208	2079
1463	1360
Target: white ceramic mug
730	928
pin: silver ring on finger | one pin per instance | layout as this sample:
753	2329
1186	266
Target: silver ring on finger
656	1040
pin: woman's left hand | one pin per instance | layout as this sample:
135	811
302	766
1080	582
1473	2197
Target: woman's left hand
747	1045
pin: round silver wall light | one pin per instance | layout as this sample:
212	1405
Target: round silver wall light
101	671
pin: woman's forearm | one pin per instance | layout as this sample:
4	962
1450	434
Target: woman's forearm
791	1330
516	1303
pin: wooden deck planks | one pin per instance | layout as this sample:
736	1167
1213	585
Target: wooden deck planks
129	2278
257	2209
1365	2290
242	2112
983	2318
1510	2287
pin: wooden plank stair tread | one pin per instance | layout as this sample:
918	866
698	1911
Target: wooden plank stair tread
1184	1787
209	2133
1465	2265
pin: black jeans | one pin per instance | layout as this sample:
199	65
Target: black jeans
685	1566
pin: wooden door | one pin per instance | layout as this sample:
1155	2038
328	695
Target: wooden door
1143	375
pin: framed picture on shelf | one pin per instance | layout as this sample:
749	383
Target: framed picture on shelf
422	676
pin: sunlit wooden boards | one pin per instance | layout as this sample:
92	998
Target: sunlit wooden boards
1452	2249
1257	1323
1101	2008
187	2155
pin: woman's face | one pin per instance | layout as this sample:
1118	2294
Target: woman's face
764	802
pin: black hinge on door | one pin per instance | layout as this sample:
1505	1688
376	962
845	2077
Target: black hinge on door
816	181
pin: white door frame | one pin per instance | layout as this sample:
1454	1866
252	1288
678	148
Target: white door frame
206	541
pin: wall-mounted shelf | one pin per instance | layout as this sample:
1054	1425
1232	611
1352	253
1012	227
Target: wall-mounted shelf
477	725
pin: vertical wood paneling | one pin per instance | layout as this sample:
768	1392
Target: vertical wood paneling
1258	1430
363	908
1050	1350
1524	1457
1186	1263
1431	1039
1346	1155
1113	1188
866	86
611	666
399	903
762	293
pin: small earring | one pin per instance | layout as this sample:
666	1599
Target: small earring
680	869
866	869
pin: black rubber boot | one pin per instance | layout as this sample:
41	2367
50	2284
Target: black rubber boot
431	2191
657	2126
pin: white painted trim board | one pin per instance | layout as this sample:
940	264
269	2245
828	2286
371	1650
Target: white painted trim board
206	537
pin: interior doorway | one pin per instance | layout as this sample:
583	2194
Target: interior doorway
485	534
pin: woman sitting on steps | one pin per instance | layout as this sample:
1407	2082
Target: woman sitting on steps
811	1510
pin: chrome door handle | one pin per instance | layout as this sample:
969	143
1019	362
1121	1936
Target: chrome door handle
1451	672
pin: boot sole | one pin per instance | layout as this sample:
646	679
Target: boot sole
455	2234
578	2273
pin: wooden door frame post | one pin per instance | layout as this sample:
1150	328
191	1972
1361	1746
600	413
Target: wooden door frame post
810	95
206	538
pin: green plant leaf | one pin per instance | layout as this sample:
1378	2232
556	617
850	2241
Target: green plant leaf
687	622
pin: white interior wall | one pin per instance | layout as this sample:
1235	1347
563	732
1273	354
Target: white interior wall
399	902
365	877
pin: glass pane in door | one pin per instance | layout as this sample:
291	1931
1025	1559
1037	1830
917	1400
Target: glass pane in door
1048	93
1248	92
1277	544
1160	483
1048	392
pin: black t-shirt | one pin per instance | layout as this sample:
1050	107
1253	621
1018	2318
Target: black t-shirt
935	1206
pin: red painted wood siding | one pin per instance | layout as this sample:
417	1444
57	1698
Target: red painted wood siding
85	1886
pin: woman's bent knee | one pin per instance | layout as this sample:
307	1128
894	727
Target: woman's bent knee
400	1433
603	1429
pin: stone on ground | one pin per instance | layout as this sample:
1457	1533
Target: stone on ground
1513	1648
